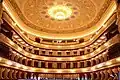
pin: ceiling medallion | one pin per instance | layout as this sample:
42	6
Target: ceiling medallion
60	12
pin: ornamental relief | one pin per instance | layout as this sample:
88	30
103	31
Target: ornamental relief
36	17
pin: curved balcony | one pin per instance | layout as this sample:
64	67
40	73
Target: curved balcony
26	56
59	53
111	42
106	74
60	47
14	56
101	66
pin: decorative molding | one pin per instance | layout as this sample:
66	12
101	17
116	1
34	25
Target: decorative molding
44	28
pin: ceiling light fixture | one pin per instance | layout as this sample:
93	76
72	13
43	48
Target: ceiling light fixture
9	63
19	40
102	37
72	71
12	43
23	42
93	68
59	71
16	36
60	12
118	59
99	41
19	49
108	63
24	67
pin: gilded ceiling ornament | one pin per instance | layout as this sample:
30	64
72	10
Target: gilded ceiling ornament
83	14
60	12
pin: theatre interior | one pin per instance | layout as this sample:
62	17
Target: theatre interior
59	39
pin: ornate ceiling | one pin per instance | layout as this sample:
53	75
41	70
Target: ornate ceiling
60	17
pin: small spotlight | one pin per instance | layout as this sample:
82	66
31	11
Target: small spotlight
12	43
9	63
19	40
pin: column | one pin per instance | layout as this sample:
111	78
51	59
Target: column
92	76
86	77
20	60
1	72
25	75
98	76
10	74
26	61
92	62
46	64
6	73
110	74
13	56
14	74
105	57
85	63
64	65
19	75
71	64
106	74
32	63
78	64
102	75
97	61
54	65
115	71
16	58
8	70
101	59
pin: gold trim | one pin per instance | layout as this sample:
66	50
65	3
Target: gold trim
111	42
107	24
43	34
22	67
98	17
